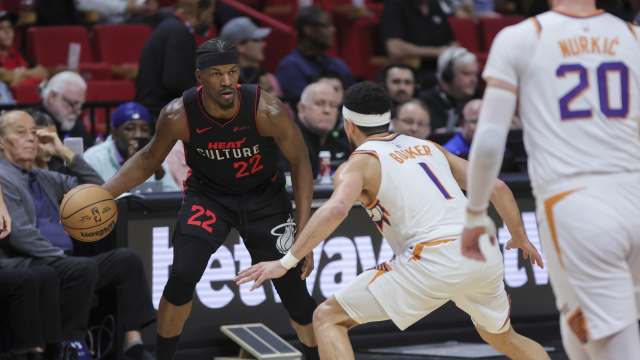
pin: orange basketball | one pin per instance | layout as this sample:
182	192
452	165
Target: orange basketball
88	213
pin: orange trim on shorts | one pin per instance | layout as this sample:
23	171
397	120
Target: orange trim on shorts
417	251
548	211
578	325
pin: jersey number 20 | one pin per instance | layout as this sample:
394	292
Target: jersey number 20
603	70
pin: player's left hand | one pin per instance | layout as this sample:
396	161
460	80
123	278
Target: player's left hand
528	250
261	272
307	266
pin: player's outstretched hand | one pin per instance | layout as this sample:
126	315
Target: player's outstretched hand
528	250
261	272
307	266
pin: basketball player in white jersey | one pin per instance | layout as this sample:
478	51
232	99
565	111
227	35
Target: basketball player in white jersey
574	74
411	188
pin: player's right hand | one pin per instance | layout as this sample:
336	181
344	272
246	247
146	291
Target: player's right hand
260	273
474	227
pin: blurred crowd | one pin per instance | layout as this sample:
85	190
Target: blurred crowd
433	80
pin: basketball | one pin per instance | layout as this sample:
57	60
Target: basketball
88	213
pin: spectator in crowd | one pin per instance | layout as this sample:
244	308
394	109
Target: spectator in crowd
308	61
32	197
29	299
118	11
62	99
460	143
249	41
50	147
14	69
457	83
400	82
130	131
317	118
415	32
167	62
412	119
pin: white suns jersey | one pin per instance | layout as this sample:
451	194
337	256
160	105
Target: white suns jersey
419	199
578	84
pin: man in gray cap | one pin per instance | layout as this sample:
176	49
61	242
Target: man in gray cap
249	40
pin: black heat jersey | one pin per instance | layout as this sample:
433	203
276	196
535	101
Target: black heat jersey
228	155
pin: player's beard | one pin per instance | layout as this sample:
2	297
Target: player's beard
224	103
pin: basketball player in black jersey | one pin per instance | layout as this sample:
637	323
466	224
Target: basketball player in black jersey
231	134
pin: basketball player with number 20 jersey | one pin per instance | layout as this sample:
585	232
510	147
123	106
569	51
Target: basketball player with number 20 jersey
412	191
574	73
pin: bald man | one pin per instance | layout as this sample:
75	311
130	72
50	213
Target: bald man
460	143
318	117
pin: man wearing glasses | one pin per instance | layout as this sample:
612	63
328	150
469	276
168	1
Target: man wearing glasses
62	99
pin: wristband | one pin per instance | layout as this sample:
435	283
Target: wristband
474	219
289	261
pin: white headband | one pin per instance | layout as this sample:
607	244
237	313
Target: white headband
369	120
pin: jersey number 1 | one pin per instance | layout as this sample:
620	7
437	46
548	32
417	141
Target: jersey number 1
603	72
435	180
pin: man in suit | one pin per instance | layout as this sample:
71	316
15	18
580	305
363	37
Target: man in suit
32	196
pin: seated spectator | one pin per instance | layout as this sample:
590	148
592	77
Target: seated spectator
14	69
62	99
400	82
50	147
457	83
460	143
249	41
167	62
415	32
412	119
118	11
130	131
317	118
308	61
33	196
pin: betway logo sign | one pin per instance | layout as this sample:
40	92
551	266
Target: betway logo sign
216	289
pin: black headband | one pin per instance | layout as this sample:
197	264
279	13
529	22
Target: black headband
209	59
